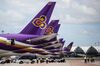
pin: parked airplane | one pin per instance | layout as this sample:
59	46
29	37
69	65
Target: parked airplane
52	28
54	24
34	32
66	51
68	48
13	42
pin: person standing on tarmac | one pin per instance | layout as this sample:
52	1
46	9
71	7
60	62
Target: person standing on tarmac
85	59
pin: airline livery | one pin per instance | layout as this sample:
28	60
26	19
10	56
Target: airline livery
39	36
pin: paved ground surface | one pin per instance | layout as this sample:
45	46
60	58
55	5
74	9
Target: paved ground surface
68	63
81	63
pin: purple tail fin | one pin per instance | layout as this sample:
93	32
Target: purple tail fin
51	28
57	28
40	21
68	48
62	41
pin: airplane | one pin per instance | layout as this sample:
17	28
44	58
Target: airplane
68	48
66	51
28	32
13	42
53	27
52	24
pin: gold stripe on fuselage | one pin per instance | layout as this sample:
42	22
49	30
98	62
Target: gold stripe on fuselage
16	45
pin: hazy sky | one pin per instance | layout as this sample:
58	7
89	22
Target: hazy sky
79	19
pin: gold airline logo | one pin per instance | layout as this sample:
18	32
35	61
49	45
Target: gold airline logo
40	22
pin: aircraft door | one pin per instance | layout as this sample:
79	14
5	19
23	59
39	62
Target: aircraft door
12	41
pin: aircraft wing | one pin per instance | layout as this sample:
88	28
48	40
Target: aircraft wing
42	45
54	45
44	37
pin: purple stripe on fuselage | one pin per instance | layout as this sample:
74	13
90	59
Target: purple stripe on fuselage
19	37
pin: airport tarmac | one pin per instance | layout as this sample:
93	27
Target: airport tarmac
68	63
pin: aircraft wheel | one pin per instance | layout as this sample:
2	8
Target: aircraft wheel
21	62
